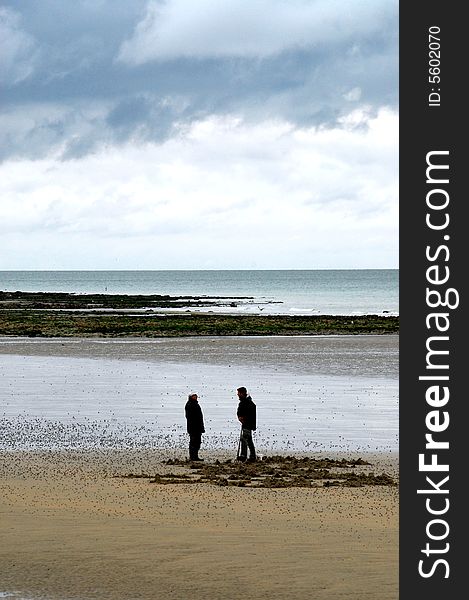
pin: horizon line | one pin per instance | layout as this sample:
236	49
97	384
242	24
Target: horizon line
190	270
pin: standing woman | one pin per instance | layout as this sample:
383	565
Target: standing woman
195	426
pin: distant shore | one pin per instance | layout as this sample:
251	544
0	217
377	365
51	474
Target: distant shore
72	315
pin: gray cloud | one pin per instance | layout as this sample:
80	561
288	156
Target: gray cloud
76	80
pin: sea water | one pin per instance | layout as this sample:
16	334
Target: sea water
335	292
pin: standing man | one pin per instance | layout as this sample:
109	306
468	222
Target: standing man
247	417
195	426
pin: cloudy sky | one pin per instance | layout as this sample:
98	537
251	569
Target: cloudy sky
198	134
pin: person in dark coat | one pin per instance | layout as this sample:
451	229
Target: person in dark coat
246	414
195	426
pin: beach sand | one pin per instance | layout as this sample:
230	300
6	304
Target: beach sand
70	529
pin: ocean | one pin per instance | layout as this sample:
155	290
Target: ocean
334	292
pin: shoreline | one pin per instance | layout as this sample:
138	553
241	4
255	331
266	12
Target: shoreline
64	314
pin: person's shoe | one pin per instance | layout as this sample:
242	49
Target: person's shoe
198	459
252	459
241	458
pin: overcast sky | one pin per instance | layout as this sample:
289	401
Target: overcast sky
198	134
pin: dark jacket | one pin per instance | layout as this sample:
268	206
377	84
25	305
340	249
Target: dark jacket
195	419
247	409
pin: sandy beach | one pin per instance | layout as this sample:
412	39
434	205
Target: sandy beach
80	416
71	530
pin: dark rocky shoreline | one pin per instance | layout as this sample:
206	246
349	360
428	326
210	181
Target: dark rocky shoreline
45	314
65	300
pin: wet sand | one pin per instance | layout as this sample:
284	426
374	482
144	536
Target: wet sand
313	393
363	355
70	529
